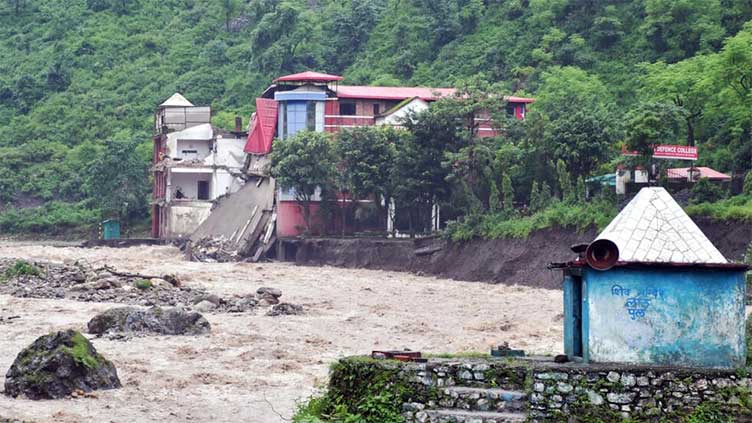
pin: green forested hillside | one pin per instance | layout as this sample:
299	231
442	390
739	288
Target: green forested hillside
79	79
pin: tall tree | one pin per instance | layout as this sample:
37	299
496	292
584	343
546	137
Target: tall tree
118	178
651	123
688	84
305	164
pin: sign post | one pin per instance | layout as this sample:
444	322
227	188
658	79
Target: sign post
663	151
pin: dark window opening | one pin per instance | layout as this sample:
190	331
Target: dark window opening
376	109
189	154
347	109
203	190
311	116
577	317
510	109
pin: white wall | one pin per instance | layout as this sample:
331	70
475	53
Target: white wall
184	218
188	183
230	151
416	105
200	132
202	147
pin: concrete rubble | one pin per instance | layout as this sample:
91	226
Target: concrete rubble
81	282
239	228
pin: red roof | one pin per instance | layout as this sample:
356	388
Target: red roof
402	93
263	124
705	172
309	76
392	93
513	99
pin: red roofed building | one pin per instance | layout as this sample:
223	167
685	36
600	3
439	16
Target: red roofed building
318	102
682	173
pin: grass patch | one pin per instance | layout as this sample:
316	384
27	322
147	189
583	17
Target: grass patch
737	208
142	284
360	390
21	268
580	216
81	353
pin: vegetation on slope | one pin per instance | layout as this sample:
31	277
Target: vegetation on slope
79	80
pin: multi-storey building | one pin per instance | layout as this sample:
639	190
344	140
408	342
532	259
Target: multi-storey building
319	102
194	164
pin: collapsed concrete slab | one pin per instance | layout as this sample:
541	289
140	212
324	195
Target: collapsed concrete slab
241	226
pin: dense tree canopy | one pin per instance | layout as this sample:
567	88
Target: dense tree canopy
76	73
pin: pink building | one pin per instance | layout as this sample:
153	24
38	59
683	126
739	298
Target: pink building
318	102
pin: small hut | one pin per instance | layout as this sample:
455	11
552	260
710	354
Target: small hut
652	289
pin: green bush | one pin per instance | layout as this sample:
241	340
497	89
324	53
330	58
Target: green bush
21	268
359	393
580	216
142	284
705	191
737	208
53	218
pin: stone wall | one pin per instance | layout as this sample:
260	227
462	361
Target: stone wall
636	392
505	390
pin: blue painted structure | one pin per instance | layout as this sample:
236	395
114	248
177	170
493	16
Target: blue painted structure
679	315
298	111
111	229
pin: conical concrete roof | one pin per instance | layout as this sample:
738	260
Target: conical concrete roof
653	228
176	100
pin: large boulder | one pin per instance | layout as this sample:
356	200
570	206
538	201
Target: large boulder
170	321
58	364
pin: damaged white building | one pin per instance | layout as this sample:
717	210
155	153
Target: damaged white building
195	164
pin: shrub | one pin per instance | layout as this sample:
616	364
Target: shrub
53	218
580	216
359	392
705	191
22	268
142	284
747	189
738	208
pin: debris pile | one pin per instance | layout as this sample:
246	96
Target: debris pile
268	296
240	226
285	309
155	320
81	282
58	365
214	250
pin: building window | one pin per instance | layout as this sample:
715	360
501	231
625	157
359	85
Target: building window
376	109
311	116
346	108
189	154
510	109
202	190
297	117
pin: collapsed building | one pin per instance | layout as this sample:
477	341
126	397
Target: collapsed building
194	164
259	212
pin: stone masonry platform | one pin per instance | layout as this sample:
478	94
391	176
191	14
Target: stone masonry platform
490	390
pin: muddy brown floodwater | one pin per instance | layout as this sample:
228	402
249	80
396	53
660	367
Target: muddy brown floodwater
254	368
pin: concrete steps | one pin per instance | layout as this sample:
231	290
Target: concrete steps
465	404
464	416
482	399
